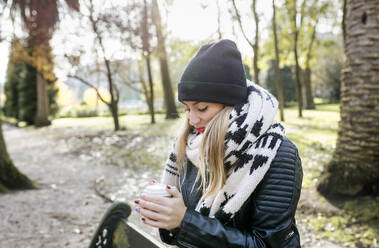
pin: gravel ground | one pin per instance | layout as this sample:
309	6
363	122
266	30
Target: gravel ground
65	210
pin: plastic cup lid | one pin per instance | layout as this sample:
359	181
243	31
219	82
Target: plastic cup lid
156	189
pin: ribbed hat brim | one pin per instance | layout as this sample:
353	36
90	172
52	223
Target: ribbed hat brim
227	94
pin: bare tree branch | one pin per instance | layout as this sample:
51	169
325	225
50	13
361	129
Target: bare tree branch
117	91
142	80
130	84
256	42
313	37
90	85
302	13
219	20
240	23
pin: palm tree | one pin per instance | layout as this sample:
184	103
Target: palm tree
355	164
40	18
10	177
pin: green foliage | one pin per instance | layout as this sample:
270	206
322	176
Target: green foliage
287	80
10	89
27	99
355	223
315	14
21	88
82	110
327	72
247	71
52	92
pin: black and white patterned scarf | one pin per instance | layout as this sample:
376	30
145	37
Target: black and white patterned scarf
251	143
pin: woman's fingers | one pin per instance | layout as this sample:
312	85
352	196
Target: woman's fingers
152	206
156	199
148	214
173	191
153	223
153	181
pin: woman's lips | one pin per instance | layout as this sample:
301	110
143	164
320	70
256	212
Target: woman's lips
200	129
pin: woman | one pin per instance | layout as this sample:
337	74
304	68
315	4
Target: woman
236	177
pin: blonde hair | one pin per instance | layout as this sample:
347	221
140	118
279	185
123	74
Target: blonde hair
211	152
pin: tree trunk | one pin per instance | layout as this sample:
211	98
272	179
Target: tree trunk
297	76
42	115
146	53
355	164
171	112
114	97
10	177
150	97
292	10
113	91
309	104
114	111
256	43
277	61
218	20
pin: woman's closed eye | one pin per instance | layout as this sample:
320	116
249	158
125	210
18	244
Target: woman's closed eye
200	109
203	109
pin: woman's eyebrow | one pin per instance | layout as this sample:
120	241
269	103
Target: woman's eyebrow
190	104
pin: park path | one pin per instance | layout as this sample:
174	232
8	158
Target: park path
64	211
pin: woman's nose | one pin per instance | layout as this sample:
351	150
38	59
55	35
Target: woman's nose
193	119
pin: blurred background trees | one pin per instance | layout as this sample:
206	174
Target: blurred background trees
107	40
112	57
21	87
39	19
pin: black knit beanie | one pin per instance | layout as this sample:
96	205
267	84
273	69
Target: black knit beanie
215	75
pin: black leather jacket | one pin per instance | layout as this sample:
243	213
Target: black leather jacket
267	218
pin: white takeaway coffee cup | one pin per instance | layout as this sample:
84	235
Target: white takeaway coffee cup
156	189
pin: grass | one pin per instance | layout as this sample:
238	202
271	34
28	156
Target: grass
315	137
135	123
314	134
357	221
355	225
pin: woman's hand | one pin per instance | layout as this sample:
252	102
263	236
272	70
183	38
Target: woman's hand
162	212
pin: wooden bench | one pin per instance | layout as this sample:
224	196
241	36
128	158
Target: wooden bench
114	231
